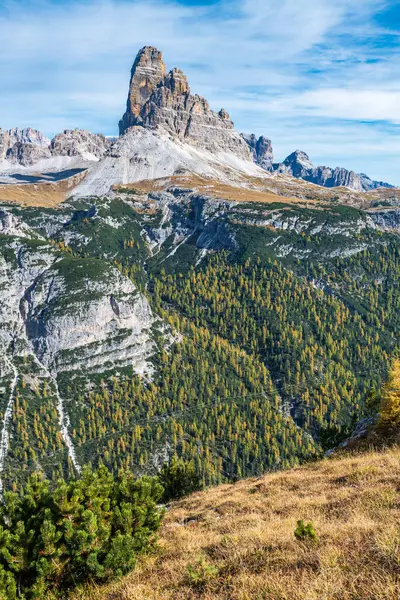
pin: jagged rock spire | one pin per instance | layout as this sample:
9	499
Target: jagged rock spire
147	72
161	100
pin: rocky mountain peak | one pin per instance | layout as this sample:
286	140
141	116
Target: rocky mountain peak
23	146
147	72
160	100
298	157
28	136
298	164
77	142
263	154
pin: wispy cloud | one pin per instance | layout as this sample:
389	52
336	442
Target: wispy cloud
287	69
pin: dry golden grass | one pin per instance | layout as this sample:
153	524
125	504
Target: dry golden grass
240	538
250	190
48	195
268	189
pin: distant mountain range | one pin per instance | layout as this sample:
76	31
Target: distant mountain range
165	130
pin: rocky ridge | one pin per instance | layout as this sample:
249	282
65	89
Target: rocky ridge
28	136
262	150
77	142
299	165
27	147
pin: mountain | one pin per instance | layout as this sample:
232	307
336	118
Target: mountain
163	294
165	130
30	149
163	100
28	136
299	165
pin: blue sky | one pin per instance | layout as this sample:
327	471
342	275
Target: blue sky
319	75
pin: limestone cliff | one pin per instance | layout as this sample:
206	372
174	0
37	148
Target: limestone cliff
163	100
77	142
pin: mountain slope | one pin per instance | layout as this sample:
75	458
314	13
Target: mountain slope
237	541
142	153
263	325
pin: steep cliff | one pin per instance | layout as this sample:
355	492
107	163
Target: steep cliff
160	100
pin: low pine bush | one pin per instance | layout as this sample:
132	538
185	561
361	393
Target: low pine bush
201	573
91	528
178	478
305	532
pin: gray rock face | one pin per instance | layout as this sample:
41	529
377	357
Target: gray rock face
147	72
28	136
4	143
299	165
69	316
23	146
386	220
77	142
261	149
26	147
159	100
26	154
369	184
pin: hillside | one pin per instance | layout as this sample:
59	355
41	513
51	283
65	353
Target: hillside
237	541
184	299
241	332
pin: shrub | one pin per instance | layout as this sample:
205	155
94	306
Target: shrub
178	478
201	573
305	532
91	528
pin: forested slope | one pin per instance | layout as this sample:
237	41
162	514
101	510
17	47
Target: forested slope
243	336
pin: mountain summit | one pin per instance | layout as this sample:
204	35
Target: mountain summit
165	130
158	99
147	72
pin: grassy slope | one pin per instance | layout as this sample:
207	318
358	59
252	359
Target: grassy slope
246	530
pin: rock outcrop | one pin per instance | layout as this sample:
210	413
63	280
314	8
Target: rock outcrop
27	154
158	100
262	151
4	143
147	72
69	316
26	147
299	165
28	136
23	146
77	142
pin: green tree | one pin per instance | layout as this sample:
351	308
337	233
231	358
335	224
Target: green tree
178	478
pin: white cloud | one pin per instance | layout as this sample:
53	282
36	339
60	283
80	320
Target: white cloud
352	104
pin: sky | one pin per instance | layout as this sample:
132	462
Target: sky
322	76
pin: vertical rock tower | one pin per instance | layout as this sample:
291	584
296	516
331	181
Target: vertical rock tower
161	100
147	72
